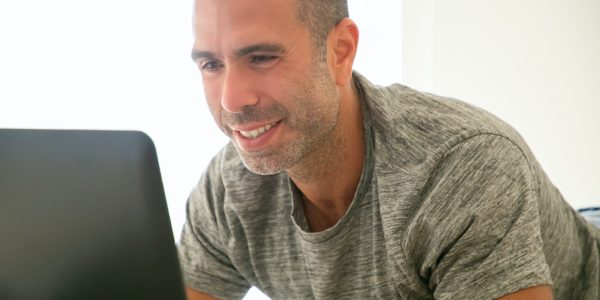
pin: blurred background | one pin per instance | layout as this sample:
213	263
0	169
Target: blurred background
117	64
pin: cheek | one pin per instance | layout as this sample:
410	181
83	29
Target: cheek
284	85
272	88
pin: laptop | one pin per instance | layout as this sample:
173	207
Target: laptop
83	216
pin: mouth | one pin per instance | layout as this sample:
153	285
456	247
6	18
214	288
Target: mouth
253	138
256	133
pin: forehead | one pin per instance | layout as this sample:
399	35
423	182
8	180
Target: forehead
223	24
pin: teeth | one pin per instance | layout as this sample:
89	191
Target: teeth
256	132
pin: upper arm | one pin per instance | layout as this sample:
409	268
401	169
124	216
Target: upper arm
479	223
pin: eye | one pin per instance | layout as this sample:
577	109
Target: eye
210	66
264	61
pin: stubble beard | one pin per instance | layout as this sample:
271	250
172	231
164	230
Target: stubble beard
310	124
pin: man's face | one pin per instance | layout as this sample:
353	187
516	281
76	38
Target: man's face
263	85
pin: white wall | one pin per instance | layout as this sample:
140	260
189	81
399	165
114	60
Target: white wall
535	64
379	55
110	65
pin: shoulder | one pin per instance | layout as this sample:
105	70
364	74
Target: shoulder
413	131
458	192
417	126
435	154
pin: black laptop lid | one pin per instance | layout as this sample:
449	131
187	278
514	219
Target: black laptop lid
83	216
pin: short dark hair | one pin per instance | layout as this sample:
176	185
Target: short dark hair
320	16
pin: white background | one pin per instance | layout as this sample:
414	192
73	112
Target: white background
118	64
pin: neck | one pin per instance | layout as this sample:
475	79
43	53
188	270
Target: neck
328	178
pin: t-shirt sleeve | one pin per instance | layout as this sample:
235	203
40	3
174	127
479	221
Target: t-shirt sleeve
202	248
476	232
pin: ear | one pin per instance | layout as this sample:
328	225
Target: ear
343	42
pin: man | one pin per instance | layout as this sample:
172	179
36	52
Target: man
333	188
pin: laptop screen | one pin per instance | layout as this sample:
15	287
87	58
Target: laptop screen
83	216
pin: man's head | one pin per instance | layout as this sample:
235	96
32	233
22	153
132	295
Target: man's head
274	75
320	17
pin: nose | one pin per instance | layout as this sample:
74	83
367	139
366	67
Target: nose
238	90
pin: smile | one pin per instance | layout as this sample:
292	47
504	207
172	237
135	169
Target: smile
252	134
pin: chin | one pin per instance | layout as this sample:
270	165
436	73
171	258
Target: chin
261	165
262	169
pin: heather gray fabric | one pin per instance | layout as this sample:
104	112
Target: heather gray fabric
451	205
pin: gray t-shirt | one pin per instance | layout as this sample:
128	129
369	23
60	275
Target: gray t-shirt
451	205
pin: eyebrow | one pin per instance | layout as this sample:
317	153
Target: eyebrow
263	47
196	54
